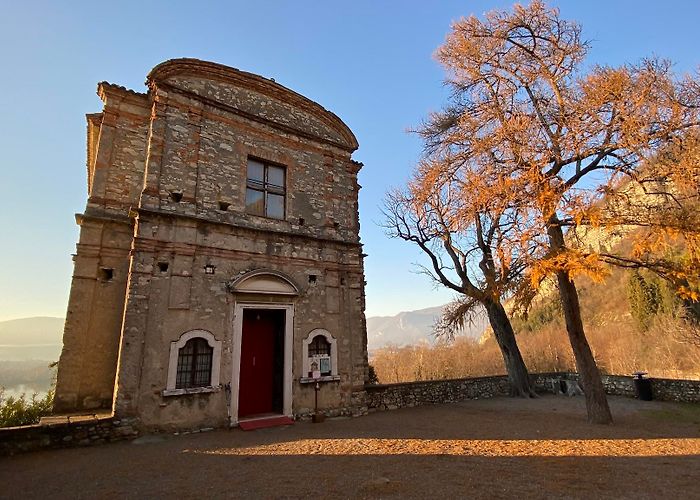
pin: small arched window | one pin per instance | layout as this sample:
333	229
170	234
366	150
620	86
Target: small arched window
319	346
194	364
320	356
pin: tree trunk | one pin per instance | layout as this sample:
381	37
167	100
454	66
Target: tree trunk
505	337
596	401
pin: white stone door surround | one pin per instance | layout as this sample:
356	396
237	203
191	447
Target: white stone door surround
239	307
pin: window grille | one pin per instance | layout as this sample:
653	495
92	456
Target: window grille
319	346
194	362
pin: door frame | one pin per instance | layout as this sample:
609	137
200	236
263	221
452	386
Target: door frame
239	307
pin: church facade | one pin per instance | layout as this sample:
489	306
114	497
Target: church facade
219	272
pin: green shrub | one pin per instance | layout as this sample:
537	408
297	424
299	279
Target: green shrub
23	411
649	295
644	296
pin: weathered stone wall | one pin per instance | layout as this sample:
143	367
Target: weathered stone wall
408	394
166	197
202	132
393	396
663	389
65	433
116	152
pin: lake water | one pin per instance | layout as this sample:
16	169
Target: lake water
17	390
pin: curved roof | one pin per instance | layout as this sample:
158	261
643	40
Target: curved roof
236	77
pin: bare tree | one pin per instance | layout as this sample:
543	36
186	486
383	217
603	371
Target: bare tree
464	238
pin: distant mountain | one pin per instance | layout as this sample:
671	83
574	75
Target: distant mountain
41	338
414	327
38	338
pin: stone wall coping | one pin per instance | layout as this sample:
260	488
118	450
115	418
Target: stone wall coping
379	387
63	422
630	377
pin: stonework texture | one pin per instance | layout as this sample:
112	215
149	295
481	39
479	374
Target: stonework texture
408	394
167	174
64	432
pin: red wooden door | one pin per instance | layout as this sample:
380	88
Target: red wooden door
255	389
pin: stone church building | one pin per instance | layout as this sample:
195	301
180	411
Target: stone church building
219	272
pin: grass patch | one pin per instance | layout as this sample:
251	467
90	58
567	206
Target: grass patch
679	412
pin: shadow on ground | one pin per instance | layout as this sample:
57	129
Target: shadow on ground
499	448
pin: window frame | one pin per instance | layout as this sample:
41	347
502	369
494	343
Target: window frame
175	346
188	364
333	376
266	188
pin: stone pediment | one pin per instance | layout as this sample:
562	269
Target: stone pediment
255	97
263	282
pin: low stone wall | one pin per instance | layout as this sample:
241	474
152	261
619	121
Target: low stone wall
65	432
686	391
393	396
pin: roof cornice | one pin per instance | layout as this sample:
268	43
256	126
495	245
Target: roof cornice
106	88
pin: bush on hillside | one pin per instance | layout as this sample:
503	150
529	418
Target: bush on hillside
648	296
21	410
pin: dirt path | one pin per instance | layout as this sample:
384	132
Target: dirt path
499	448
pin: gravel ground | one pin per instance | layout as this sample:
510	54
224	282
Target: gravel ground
497	448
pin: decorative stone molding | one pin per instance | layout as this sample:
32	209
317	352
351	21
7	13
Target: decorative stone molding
170	389
305	356
239	309
264	281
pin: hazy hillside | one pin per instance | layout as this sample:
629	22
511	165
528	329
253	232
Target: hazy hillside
413	327
663	344
31	338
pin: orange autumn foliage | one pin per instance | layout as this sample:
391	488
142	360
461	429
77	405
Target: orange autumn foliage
531	134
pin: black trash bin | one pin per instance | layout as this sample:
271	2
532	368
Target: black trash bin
642	386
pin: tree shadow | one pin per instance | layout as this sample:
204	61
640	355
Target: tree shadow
496	448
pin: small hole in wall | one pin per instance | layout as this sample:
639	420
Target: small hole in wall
342	281
176	196
223	205
301	221
312	278
163	267
106	273
336	225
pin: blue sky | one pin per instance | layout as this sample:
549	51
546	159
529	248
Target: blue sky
370	62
